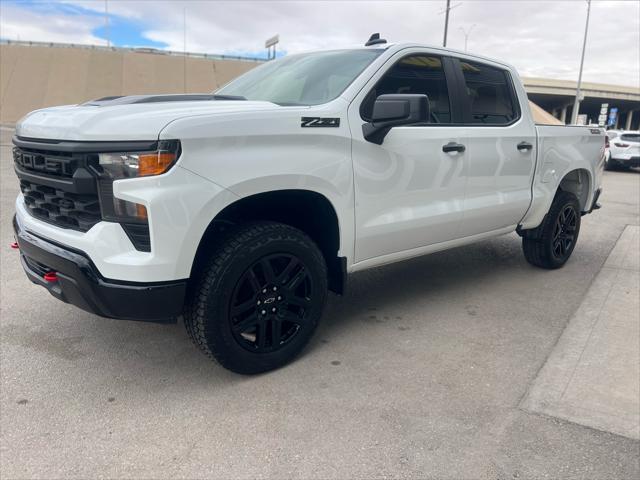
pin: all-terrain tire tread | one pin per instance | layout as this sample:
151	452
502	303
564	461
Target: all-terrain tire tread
221	257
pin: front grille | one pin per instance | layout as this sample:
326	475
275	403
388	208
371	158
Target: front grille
63	184
64	209
58	187
50	163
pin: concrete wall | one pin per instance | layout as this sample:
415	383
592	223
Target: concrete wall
36	77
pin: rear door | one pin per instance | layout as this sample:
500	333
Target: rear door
501	143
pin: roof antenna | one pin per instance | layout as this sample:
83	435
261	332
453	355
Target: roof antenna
374	39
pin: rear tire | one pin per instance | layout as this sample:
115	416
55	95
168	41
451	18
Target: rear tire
552	243
258	300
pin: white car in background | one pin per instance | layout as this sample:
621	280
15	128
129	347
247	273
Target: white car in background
609	135
624	149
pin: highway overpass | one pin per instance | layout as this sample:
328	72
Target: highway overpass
557	97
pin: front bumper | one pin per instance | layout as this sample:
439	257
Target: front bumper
79	283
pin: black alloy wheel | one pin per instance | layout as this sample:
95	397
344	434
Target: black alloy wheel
270	303
564	232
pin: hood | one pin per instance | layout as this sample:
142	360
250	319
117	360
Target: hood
135	117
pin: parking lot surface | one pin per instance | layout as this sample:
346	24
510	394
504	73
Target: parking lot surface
419	371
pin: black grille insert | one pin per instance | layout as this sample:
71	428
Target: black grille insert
64	209
59	187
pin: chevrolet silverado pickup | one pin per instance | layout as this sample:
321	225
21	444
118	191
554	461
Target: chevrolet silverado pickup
239	210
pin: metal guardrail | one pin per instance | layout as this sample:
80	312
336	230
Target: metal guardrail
148	50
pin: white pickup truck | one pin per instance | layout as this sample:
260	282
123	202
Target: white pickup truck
239	210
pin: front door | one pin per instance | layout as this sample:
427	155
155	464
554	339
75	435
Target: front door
409	193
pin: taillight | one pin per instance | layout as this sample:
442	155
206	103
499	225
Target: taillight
606	142
621	145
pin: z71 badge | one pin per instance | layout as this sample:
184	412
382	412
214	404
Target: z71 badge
319	122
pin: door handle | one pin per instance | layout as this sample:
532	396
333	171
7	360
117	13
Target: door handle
524	146
453	147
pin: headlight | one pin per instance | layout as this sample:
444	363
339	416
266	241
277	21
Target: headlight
139	164
122	165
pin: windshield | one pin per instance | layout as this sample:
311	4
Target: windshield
305	79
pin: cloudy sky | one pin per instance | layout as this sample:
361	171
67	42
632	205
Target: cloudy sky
541	38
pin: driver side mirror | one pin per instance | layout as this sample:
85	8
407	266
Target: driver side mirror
394	110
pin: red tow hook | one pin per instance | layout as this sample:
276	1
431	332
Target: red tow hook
50	277
15	245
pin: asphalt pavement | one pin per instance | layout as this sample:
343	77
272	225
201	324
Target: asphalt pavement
420	371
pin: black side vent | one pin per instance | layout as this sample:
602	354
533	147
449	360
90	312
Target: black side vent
138	233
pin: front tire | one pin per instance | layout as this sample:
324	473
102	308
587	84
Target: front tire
552	243
259	299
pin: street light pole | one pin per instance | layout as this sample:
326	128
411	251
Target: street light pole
466	35
106	22
184	49
446	23
446	19
576	104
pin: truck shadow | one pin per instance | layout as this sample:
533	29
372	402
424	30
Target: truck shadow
371	298
378	296
152	355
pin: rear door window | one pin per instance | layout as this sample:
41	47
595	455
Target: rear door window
491	97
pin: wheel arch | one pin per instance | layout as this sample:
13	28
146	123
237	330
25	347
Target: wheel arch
578	181
308	210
